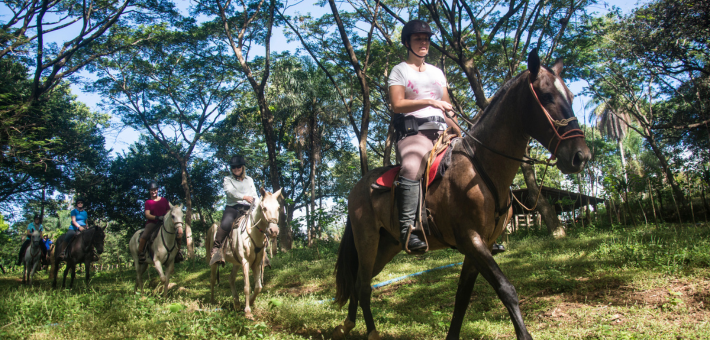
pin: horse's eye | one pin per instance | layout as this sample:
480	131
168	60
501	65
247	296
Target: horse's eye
547	98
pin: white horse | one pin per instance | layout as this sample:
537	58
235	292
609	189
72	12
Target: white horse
164	249
244	247
32	257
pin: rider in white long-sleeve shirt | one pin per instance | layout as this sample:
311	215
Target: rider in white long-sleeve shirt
241	192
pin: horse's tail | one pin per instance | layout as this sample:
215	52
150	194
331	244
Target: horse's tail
346	266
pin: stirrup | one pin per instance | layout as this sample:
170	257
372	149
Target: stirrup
141	257
216	258
420	249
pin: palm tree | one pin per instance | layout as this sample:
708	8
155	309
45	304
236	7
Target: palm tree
612	125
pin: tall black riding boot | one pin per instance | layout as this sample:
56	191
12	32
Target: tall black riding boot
216	251
407	196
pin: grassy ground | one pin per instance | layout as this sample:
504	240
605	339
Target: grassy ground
647	283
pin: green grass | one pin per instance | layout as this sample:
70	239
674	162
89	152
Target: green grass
645	283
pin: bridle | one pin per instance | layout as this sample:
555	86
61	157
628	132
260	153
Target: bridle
555	124
33	246
162	236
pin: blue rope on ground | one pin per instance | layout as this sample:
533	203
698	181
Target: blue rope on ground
382	284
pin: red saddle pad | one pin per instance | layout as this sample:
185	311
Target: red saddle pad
387	179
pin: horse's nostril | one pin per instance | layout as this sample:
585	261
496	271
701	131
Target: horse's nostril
578	159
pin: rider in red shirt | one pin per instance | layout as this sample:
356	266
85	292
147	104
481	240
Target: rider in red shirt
155	209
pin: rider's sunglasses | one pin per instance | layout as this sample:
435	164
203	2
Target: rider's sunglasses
236	166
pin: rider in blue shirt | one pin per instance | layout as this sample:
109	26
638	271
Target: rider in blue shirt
78	223
34	225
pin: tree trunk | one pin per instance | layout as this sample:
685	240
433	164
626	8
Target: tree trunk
364	87
547	211
286	238
653	204
388	145
185	183
623	158
677	192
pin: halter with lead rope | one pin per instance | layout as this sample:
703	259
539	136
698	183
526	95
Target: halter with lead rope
555	124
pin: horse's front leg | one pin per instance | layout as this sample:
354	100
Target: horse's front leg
233	287
487	266
171	269
24	271
139	275
213	280
247	289
73	275
87	266
163	278
258	270
33	270
463	296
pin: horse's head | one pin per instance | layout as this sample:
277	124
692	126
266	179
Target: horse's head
270	207
174	217
98	239
554	124
36	238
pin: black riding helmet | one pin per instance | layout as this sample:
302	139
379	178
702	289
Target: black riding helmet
412	27
237	161
153	185
79	199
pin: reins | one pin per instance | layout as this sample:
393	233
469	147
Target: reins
162	237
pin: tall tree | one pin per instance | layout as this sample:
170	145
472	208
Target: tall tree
175	89
243	24
48	143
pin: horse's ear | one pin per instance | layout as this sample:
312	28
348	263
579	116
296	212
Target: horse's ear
557	68
277	193
262	191
533	64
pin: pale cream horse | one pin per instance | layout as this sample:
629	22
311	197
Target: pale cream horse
163	249
244	247
32	257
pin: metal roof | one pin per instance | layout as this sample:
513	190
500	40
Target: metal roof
562	200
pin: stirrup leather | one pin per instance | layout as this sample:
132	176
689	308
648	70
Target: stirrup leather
417	227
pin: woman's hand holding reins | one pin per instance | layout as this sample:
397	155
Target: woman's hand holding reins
441	105
249	199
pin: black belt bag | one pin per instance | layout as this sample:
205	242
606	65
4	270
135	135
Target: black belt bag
406	126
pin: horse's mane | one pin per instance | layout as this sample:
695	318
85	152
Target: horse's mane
495	102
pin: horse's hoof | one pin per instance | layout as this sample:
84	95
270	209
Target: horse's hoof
249	316
373	335
343	330
339	333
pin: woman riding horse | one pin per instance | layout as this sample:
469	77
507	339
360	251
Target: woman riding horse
78	223
241	192
155	209
36	224
419	96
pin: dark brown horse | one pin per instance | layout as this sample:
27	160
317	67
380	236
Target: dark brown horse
82	251
470	204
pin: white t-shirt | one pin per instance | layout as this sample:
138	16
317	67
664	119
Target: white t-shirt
236	190
429	84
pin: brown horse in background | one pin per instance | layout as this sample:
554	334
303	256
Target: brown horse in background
82	251
468	202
